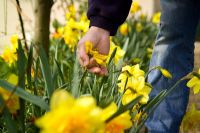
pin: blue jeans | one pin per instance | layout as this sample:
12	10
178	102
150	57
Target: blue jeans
174	51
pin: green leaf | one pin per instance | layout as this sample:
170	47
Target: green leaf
152	102
112	55
21	65
76	80
46	72
30	62
25	95
60	72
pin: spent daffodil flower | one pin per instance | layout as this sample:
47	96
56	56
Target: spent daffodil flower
11	100
99	58
69	115
124	29
194	83
156	18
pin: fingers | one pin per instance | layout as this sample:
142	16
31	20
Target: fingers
104	71
99	70
90	64
95	70
82	56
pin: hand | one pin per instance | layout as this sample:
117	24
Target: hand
100	39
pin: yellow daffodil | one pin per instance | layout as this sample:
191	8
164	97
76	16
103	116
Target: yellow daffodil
11	100
139	27
131	94
135	7
191	119
83	26
73	31
134	71
99	58
84	17
166	73
69	115
156	18
70	37
120	123
9	54
124	29
59	33
119	52
194	84
132	84
14	41
71	12
76	26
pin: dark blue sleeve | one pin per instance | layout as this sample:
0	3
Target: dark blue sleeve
108	14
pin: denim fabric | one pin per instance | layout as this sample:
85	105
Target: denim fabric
174	51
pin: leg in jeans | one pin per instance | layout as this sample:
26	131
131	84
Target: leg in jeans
174	51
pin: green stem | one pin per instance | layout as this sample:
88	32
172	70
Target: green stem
21	23
154	68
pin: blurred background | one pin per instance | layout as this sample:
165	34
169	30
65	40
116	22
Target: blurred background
9	23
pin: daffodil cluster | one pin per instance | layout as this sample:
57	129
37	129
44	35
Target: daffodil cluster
82	115
10	100
76	26
9	54
132	84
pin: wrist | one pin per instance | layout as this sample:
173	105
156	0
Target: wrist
100	30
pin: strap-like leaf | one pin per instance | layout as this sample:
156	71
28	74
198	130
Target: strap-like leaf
25	95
